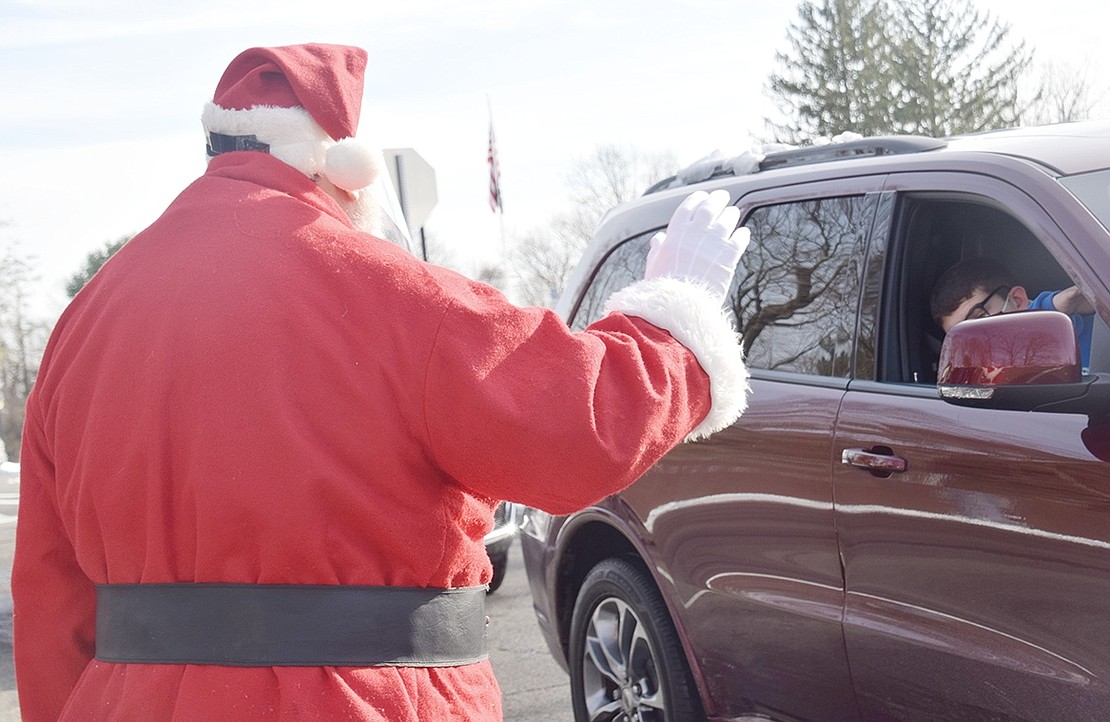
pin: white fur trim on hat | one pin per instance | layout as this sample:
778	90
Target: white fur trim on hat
297	139
694	317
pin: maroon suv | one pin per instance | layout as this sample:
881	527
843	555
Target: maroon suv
901	526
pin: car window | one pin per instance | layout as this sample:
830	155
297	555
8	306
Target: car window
621	267
1093	190
797	291
935	231
795	295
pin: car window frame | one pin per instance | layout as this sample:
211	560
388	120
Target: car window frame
795	192
995	191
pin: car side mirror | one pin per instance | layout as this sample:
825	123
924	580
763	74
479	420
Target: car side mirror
1023	361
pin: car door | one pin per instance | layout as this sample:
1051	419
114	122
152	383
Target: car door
740	526
975	542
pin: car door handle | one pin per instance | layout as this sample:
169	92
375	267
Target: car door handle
877	460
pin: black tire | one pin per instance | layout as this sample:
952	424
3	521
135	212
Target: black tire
500	562
626	662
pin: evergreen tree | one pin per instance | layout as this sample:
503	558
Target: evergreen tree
931	67
93	262
836	77
957	74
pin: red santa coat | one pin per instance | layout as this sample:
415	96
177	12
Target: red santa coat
251	391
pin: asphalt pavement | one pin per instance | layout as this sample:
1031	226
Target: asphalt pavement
533	686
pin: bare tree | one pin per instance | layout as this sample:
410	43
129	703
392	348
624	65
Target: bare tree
22	340
493	274
1066	92
545	256
614	175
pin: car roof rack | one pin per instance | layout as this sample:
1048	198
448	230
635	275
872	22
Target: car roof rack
870	147
715	167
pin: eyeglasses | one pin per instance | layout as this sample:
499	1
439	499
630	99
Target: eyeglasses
979	310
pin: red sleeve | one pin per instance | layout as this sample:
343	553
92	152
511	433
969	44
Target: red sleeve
54	603
520	408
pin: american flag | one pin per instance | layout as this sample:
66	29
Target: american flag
494	175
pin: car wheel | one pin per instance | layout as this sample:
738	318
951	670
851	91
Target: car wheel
500	566
626	662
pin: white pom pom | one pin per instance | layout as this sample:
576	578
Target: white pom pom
350	165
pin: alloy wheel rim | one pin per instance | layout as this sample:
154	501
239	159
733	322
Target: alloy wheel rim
620	677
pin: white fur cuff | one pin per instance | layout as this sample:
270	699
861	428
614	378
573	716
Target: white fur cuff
694	317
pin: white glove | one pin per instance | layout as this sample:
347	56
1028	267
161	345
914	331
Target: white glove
702	243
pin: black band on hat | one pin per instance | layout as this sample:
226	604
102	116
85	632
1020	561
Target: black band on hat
220	143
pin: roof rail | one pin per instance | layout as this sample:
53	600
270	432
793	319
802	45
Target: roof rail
869	147
715	167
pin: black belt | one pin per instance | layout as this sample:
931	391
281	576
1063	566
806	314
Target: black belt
277	625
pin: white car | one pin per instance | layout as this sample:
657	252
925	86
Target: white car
506	521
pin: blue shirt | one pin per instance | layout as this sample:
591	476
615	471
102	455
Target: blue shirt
1083	323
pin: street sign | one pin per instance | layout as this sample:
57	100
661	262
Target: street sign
415	183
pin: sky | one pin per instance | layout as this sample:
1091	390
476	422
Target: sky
101	99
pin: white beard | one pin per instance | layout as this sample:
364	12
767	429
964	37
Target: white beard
367	213
364	213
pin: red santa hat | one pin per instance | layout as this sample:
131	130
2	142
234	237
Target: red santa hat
301	104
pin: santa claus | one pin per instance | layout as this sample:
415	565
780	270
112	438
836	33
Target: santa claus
264	445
